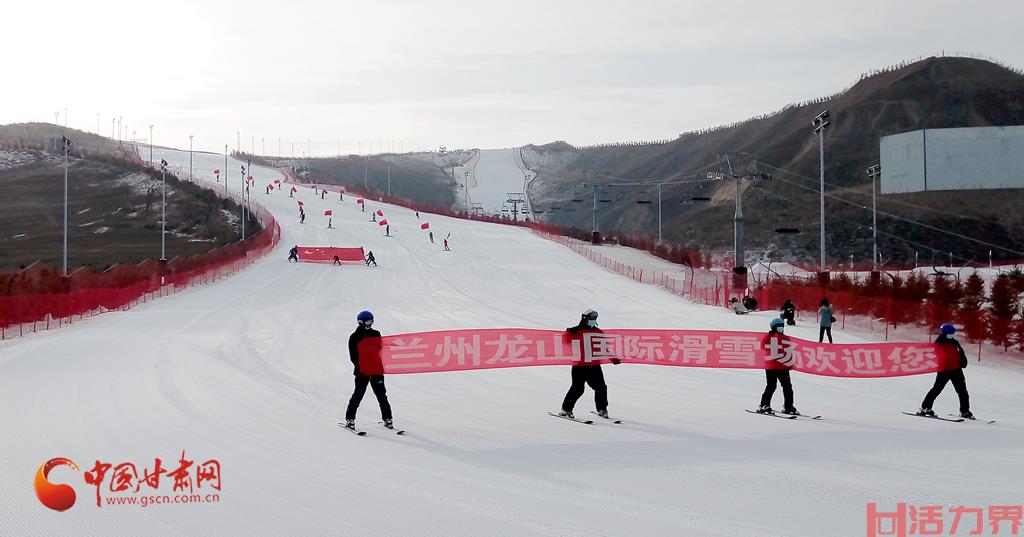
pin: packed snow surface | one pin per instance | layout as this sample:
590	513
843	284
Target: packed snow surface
253	371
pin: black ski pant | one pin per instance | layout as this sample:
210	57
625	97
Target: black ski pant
956	376
822	330
775	377
376	382
586	375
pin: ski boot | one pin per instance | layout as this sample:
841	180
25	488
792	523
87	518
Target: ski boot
566	414
390	424
350	424
967	415
765	409
603	413
792	411
926	412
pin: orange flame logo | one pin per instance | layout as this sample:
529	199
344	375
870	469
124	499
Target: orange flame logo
58	497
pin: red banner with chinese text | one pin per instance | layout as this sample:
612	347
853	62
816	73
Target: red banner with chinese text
458	350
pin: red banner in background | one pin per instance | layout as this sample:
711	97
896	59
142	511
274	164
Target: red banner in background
457	350
325	254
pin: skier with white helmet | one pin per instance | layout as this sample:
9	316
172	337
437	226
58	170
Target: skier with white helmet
955	375
363	331
777	373
586	373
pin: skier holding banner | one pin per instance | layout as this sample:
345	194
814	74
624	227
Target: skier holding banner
777	372
585	373
363	332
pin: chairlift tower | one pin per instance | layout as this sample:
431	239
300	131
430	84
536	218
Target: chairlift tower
514	199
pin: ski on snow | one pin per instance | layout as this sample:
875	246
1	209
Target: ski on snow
987	422
392	429
577	420
940	418
613	420
774	415
352	430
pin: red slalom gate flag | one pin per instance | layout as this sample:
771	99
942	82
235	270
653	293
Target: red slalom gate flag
278	181
328	213
383	222
424	225
294	189
300	203
456	350
360	200
380	212
250	178
270	186
216	171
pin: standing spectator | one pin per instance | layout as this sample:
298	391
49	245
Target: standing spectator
825	320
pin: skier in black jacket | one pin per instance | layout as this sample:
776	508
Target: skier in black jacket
293	254
376	382
586	373
956	376
789	312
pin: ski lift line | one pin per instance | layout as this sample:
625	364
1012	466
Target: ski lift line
893	201
862	226
907	220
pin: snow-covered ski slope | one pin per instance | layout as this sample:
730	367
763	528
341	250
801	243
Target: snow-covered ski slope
253	371
496	176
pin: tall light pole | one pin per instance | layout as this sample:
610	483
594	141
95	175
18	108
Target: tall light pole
242	201
820	122
238	141
659	212
190	157
151	144
225	170
309	149
278	148
264	140
389	178
873	172
67	149
163	210
98	124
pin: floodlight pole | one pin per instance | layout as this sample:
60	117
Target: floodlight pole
873	173
820	122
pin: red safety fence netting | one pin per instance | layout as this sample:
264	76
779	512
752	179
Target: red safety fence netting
40	298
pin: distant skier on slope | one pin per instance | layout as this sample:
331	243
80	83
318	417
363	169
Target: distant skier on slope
293	254
789	312
584	372
370	259
363	331
431	234
956	376
777	373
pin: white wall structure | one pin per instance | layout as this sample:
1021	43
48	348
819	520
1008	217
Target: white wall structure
953	159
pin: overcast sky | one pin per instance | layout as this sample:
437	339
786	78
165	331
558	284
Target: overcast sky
461	74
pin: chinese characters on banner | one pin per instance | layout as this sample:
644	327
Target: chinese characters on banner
457	350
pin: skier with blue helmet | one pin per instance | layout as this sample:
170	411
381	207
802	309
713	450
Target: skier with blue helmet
955	375
363	331
777	373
